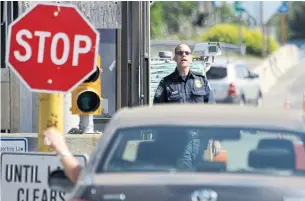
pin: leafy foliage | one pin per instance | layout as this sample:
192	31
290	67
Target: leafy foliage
226	14
174	11
170	18
167	17
229	33
157	20
296	20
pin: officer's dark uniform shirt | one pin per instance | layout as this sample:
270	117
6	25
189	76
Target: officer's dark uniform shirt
193	88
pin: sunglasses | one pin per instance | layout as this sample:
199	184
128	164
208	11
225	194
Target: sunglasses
181	53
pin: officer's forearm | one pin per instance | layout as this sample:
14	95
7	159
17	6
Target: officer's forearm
186	161
211	98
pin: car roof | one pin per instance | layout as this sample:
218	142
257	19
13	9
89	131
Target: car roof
221	63
225	63
209	115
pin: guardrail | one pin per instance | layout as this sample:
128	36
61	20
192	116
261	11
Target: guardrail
302	53
277	65
225	47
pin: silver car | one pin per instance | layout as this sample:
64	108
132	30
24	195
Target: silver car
233	83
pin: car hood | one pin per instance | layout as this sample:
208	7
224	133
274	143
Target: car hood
192	187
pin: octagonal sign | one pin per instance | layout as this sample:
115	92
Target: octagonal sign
52	48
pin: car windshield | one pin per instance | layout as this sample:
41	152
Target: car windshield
205	149
216	73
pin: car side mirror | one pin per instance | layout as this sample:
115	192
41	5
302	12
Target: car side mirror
58	181
253	75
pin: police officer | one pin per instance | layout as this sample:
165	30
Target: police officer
183	85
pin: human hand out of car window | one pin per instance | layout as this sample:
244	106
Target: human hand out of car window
57	140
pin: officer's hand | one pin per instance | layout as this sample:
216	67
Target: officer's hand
217	151
216	147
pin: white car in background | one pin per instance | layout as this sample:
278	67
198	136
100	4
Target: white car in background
233	83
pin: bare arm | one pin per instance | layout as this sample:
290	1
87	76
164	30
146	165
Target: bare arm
71	165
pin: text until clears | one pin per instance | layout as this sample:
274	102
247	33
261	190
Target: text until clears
24	176
36	194
30	174
23	173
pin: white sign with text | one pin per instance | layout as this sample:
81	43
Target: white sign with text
14	145
24	176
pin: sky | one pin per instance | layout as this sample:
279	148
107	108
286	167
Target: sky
253	8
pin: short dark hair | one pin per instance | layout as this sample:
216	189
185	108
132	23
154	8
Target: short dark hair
176	48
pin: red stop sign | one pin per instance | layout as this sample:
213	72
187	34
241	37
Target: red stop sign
52	48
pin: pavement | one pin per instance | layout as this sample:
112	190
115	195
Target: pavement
252	62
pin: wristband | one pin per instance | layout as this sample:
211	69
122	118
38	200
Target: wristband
64	153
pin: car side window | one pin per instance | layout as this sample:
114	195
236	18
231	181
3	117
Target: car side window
242	71
253	75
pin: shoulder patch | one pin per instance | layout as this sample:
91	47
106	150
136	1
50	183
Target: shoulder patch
159	91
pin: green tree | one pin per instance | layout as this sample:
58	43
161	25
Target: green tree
156	19
171	18
174	12
225	13
296	20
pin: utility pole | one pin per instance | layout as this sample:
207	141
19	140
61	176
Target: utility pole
283	28
240	33
240	9
268	38
263	28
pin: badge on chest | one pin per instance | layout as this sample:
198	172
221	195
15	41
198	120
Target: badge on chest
198	84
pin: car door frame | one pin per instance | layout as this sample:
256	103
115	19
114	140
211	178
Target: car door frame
243	80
